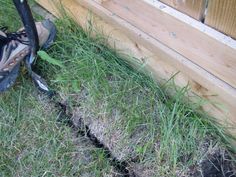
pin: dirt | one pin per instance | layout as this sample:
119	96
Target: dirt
215	162
84	157
106	133
85	162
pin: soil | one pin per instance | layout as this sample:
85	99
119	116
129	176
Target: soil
215	163
104	134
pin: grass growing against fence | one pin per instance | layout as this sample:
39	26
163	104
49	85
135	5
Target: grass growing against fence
177	131
33	143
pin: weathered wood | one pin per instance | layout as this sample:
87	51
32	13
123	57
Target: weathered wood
221	15
212	55
193	8
205	29
162	61
101	1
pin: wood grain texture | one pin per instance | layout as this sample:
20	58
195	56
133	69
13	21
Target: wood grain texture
193	8
221	15
161	61
101	1
212	55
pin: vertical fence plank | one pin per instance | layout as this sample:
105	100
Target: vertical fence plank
193	8
221	15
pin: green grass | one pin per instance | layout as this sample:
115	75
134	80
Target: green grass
30	137
34	143
175	129
32	140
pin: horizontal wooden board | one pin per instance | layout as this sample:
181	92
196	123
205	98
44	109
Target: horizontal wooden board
193	8
221	15
101	1
162	61
201	49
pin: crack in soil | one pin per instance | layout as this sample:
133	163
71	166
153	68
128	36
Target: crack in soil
209	167
120	166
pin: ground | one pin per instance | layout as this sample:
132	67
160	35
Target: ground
115	119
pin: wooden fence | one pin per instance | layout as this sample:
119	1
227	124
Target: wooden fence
219	14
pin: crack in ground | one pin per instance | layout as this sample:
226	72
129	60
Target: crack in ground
120	166
210	166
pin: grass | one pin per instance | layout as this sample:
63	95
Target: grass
174	128
32	140
29	139
34	143
171	131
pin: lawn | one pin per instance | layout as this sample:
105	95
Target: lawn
114	98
